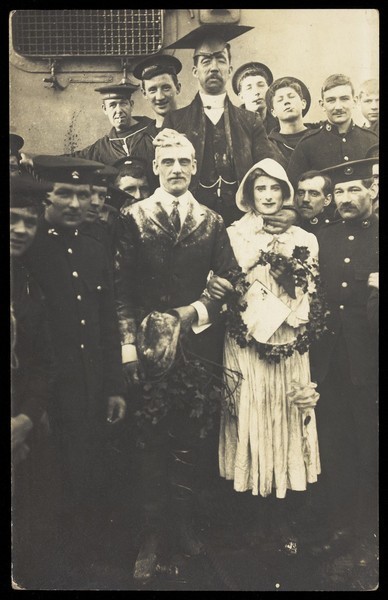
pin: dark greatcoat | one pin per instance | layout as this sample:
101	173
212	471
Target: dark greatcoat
75	274
325	147
246	136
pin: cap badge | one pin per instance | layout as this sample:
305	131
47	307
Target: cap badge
348	171
75	175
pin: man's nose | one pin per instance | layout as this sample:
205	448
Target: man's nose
375	103
214	64
177	166
338	103
95	200
74	202
20	227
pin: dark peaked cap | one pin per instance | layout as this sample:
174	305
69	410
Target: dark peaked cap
351	171
104	176
65	169
156	65
118	90
223	32
25	191
15	142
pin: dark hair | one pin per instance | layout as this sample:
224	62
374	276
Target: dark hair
227	46
250	180
282	83
251	73
133	170
327	187
168	71
334	80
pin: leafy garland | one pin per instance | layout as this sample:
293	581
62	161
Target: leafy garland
296	272
192	385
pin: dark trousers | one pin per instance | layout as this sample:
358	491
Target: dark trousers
347	421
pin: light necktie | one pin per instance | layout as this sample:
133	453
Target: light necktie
175	217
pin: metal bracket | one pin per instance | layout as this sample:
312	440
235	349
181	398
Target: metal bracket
52	80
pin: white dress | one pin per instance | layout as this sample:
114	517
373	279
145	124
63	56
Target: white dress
270	444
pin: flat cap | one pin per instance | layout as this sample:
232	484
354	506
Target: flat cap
156	65
251	68
351	171
118	90
218	34
305	92
65	169
26	191
15	143
130	161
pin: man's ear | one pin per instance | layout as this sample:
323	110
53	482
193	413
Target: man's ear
194	167
103	107
47	200
194	70
374	190
321	103
155	167
327	200
178	88
304	103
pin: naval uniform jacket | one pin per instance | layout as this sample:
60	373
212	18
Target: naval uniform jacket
74	273
325	147
31	353
111	147
246	136
348	253
156	270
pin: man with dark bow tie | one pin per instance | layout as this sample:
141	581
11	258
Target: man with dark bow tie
167	244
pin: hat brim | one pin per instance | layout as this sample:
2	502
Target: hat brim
165	63
225	31
248	66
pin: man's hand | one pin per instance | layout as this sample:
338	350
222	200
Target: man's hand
373	280
20	428
132	372
187	315
116	409
280	222
164	136
218	287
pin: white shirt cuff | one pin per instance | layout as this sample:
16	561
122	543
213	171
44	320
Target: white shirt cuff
128	353
203	317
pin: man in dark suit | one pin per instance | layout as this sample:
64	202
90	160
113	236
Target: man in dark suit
228	140
75	275
344	362
167	246
338	139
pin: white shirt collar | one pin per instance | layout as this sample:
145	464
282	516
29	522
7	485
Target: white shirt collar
167	200
213	106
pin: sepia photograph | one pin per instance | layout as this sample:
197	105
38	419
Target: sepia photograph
194	299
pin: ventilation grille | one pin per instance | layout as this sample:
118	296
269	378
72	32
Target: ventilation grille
51	33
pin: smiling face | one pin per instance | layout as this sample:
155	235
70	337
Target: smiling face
118	111
354	200
213	68
252	92
267	195
161	92
338	104
68	204
175	166
23	226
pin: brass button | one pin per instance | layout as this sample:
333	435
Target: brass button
99	287
344	139
79	297
75	274
346	157
351	237
82	346
341	306
346	260
344	284
83	322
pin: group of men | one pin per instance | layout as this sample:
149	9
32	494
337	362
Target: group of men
131	227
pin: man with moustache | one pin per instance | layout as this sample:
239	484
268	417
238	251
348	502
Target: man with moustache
313	199
344	364
227	140
338	139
